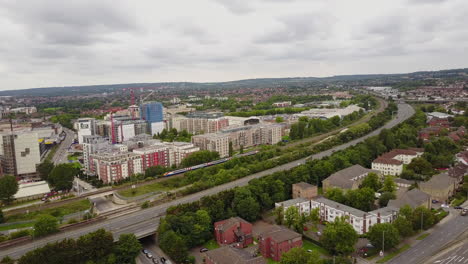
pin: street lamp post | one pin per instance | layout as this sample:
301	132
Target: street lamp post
422	216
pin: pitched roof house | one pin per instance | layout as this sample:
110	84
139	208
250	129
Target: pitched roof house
347	179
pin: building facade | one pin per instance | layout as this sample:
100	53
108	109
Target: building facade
86	127
273	244
234	231
304	190
153	156
20	154
153	114
116	166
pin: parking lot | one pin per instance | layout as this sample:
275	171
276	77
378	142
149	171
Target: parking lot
150	245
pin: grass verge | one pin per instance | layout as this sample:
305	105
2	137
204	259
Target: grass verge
394	253
60	211
154	187
16	226
423	236
211	244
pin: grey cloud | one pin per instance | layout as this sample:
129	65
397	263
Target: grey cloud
298	28
427	1
236	6
69	22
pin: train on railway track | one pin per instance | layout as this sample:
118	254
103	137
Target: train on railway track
208	164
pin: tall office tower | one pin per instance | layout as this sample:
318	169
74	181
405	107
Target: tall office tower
86	127
153	114
20	154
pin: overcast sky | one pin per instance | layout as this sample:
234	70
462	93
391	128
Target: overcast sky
82	42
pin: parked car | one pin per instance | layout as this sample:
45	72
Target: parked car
458	207
163	259
203	250
145	251
155	261
434	201
149	255
464	212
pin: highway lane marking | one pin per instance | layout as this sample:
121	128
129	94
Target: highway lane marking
461	259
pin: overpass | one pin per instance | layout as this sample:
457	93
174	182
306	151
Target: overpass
145	222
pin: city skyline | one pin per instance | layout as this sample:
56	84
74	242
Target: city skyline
87	42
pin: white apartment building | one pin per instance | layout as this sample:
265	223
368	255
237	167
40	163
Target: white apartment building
20	153
361	221
391	163
86	127
302	204
116	166
179	150
213	142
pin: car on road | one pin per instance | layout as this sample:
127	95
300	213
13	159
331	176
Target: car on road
203	250
464	212
434	201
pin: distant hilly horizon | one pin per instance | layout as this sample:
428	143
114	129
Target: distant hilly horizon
101	88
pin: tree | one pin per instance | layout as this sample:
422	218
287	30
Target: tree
300	256
2	218
291	216
372	181
231	149
96	245
385	197
339	237
362	199
335	194
404	226
406	211
8	188
173	245
127	249
389	185
45	224
314	215
44	169
248	209
199	157
155	171
279	213
383	235
279	119
420	166
62	176
422	217
7	260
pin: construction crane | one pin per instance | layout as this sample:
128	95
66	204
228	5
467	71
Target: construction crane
146	97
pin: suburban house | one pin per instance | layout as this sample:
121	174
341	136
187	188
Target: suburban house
391	163
458	171
440	187
440	122
361	221
302	204
228	254
402	183
414	198
273	243
304	190
428	132
234	231
347	179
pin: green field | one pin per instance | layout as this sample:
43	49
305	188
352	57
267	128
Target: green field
154	187
16	226
394	253
60	211
306	244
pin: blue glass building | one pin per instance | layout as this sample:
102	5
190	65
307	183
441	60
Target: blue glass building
152	112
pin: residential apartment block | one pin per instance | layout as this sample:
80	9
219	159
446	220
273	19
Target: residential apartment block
391	163
234	231
274	243
200	122
153	156
304	190
115	166
302	204
347	179
440	187
20	154
246	136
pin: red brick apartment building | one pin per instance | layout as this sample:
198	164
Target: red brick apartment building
273	244
235	231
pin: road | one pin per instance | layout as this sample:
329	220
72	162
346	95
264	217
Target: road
458	254
433	243
61	155
146	220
